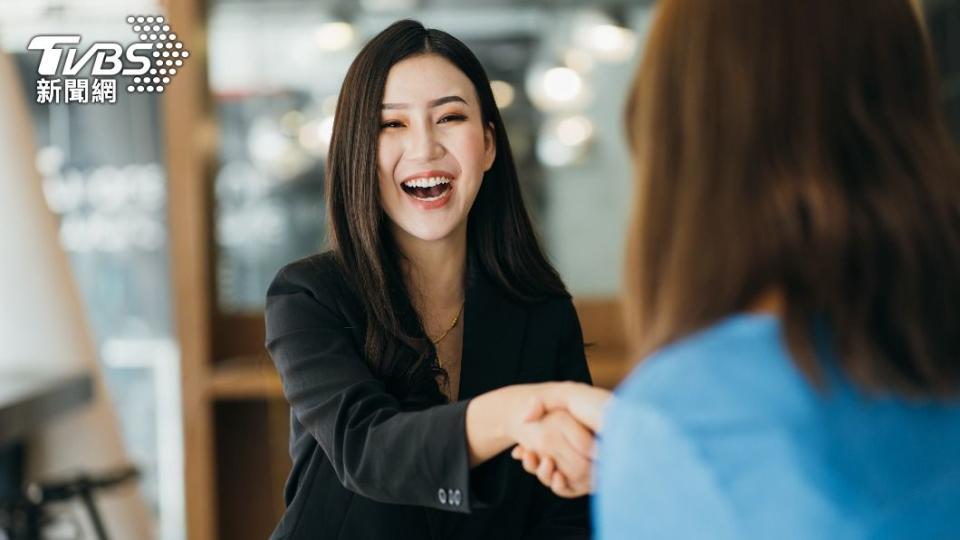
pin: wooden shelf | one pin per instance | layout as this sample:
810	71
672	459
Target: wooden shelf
252	378
242	378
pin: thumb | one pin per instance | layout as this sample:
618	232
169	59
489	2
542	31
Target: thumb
535	410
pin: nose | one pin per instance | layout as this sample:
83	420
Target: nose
424	144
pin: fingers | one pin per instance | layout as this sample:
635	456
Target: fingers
571	446
562	487
557	443
583	401
545	470
559	483
531	462
577	436
588	404
557	432
528	458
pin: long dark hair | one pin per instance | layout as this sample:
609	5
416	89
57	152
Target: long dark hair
500	238
799	146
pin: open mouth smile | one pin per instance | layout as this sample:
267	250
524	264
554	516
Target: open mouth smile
429	190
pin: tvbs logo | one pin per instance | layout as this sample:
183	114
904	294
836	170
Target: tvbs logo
106	57
150	62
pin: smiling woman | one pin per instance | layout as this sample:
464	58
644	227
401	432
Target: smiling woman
410	351
433	150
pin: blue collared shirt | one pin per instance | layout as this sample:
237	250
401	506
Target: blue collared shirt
720	436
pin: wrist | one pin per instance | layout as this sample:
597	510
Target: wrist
486	429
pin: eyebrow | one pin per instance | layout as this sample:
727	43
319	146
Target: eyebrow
430	104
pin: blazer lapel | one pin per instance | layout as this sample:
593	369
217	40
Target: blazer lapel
493	333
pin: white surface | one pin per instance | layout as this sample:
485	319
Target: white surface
42	324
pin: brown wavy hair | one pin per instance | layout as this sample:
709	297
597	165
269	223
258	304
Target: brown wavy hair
798	146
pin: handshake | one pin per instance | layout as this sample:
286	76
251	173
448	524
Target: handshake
555	434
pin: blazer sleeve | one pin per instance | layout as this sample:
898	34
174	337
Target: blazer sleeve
556	517
376	449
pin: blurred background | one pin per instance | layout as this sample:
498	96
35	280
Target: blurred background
175	209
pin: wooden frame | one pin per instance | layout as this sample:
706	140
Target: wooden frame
185	106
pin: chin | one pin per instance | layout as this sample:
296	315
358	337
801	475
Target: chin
428	232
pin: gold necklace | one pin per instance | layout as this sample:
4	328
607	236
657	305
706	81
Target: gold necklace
452	325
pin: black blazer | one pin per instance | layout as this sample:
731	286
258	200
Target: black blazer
365	469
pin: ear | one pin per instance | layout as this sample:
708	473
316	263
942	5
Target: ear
489	146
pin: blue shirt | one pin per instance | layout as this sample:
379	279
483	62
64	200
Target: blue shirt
720	436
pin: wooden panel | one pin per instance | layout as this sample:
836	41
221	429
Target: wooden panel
238	335
185	109
252	466
607	368
603	332
245	378
602	321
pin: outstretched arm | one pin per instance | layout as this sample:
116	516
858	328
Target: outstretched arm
361	427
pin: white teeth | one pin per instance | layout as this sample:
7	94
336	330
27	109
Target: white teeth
427	182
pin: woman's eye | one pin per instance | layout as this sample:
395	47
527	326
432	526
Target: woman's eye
453	118
391	124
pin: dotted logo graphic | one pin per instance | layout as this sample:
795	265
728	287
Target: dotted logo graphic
168	53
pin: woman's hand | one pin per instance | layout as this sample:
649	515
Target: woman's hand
501	418
582	401
560	450
575	411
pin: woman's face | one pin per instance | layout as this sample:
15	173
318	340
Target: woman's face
433	148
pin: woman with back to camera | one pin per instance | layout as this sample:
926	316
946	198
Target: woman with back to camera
394	345
794	277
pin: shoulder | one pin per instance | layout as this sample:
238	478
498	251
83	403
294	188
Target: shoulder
318	274
726	421
306	291
737	366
